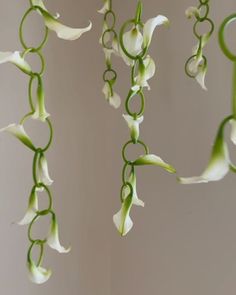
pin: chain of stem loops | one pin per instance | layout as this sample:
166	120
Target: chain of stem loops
202	18
138	61
38	152
108	36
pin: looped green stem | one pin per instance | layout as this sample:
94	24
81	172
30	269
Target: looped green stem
122	190
131	142
129	98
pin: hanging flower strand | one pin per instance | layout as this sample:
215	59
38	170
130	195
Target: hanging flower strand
134	47
109	41
220	164
196	65
41	177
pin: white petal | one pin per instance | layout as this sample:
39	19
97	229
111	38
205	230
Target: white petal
105	7
43	171
217	167
38	274
62	31
151	159
150	26
19	132
200	77
133	124
114	100
32	209
16	59
128	224
53	238
133	41
233	130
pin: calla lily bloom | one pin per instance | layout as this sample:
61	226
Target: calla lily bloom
192	11
62	31
218	166
150	26
133	124
151	159
112	97
32	209
135	42
233	130
53	237
16	59
121	219
38	274
43	173
40	112
19	132
105	7
145	72
135	200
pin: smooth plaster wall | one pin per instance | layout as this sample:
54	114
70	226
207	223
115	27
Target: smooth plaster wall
183	241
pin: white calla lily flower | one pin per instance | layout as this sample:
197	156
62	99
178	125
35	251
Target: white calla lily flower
121	219
32	209
151	159
192	11
43	174
135	200
40	112
62	31
16	59
146	72
133	125
218	166
53	238
113	98
150	26
105	7
19	132
233	130
38	274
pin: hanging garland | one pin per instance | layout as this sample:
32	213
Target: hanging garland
196	65
219	164
133	49
41	178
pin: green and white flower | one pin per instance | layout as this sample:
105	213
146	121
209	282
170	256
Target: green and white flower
112	97
134	41
43	174
218	166
62	31
53	237
105	7
19	132
151	159
38	274
16	59
192	11
146	71
40	112
135	200
133	124
32	209
122	219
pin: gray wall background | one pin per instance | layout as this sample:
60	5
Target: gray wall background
184	240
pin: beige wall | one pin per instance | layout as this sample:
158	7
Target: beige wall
184	240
